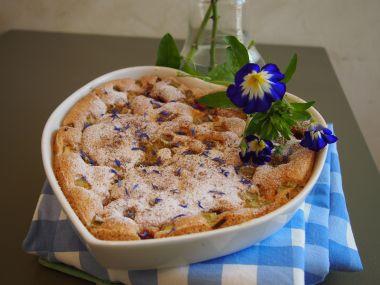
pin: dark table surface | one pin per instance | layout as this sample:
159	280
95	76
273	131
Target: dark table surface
38	70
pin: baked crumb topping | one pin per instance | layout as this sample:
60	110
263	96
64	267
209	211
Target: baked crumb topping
141	159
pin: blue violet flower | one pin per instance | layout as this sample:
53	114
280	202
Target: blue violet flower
317	137
255	89
259	151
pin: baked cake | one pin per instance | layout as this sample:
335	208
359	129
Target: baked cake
140	159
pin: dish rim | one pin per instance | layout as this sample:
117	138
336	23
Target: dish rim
47	155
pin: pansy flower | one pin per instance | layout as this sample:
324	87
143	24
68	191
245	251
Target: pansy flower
255	89
317	137
258	150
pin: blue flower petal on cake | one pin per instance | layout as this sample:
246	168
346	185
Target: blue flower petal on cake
259	151
256	89
317	137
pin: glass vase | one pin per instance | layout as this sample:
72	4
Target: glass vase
200	34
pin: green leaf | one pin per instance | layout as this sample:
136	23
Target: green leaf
232	62
255	121
302	106
168	54
189	67
216	100
237	54
278	149
292	66
221	72
285	131
301	116
243	146
236	57
300	112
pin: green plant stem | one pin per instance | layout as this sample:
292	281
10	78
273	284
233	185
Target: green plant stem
247	121
243	143
213	33
194	45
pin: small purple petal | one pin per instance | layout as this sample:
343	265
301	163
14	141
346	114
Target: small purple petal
217	192
157	200
145	235
178	172
138	148
165	113
155	103
117	163
225	172
114	114
86	125
219	160
198	106
209	144
245	181
142	135
178	216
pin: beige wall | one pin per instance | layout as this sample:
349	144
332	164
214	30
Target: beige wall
349	29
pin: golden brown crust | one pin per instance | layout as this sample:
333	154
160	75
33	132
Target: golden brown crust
231	218
85	204
114	93
112	229
87	109
295	172
185	225
100	130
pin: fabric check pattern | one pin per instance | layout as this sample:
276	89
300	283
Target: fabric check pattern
318	239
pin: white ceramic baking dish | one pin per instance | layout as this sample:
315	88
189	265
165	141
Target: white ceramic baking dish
172	251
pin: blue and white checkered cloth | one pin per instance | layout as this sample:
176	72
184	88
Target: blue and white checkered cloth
318	239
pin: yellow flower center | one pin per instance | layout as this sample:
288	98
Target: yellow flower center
257	145
256	84
316	135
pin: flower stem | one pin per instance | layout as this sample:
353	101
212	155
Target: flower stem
247	121
213	33
194	45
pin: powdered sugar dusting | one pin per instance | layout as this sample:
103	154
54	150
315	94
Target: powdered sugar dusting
153	156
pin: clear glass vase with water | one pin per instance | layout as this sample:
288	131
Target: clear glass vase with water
229	22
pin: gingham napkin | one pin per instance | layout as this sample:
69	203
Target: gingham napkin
318	239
